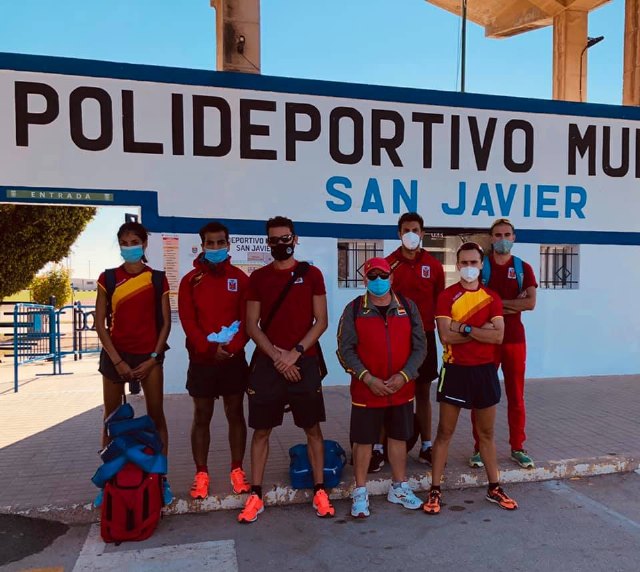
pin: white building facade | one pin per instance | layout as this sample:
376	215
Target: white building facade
344	162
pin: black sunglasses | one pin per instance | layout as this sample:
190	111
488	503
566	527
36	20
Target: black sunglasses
373	275
273	240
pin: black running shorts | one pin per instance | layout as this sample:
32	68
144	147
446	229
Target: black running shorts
270	393
107	368
428	371
469	386
367	422
210	381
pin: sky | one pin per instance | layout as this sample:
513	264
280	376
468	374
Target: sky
359	41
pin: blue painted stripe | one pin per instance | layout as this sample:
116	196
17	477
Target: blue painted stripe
148	203
194	77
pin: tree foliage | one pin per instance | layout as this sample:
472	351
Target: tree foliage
31	236
56	282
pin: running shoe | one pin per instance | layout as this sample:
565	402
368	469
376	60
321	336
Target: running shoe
475	461
200	486
499	497
360	503
404	495
322	504
523	459
433	502
239	482
425	456
167	494
377	462
252	508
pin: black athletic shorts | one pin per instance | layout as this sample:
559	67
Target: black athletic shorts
270	393
428	371
107	368
367	422
210	381
469	386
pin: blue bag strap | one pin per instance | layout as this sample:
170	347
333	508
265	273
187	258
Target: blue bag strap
486	270
518	267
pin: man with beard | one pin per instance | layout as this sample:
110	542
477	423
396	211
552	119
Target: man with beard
286	315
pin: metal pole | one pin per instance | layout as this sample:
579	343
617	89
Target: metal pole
463	55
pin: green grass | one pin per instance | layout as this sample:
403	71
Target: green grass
88	298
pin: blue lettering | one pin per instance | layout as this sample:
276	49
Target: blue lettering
575	205
544	201
483	201
527	201
372	197
410	200
462	201
332	183
506	203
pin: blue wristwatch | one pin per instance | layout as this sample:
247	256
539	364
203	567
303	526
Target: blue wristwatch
154	355
466	330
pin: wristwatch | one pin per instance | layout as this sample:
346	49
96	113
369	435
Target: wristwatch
300	349
154	355
466	330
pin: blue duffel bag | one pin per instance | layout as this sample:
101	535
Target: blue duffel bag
300	470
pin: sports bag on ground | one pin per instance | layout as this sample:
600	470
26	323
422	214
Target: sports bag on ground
300	470
131	505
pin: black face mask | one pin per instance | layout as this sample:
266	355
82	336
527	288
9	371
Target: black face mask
282	252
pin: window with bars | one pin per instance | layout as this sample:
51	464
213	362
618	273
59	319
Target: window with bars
559	266
352	255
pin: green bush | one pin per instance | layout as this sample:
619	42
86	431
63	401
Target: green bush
56	282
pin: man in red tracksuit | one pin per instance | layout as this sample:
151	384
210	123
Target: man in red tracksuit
381	344
512	354
212	296
419	276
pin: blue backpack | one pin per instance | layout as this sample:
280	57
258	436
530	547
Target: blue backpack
300	470
517	266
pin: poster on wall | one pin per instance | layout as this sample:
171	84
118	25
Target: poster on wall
171	265
249	252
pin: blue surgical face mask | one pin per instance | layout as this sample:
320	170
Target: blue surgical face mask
503	246
132	253
379	286
216	256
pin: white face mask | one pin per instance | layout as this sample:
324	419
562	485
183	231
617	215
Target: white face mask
411	240
469	273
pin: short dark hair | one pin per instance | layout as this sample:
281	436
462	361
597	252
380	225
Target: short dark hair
213	226
136	228
500	221
469	246
410	217
280	221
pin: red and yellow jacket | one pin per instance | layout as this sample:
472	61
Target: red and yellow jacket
212	296
382	346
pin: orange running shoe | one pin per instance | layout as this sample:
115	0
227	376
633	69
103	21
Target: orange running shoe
501	498
252	508
200	486
239	481
323	505
433	503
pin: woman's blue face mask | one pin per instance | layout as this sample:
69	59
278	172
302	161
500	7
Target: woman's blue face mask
132	254
216	256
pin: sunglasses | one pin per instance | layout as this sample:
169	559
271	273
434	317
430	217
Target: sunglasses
273	240
374	275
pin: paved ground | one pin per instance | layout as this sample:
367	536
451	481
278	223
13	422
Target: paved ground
585	525
49	439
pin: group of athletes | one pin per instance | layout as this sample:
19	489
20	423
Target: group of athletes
386	342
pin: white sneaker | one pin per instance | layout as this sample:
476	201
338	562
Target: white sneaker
405	496
360	503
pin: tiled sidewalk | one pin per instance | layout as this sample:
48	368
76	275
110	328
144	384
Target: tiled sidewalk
49	438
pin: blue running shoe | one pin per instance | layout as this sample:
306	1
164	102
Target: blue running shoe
360	503
404	495
167	495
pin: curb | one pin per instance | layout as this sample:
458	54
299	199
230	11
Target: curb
281	495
